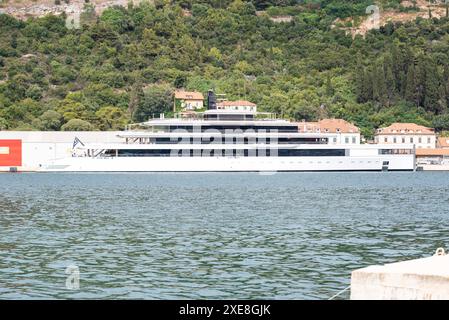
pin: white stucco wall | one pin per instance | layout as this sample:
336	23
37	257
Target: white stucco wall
421	141
192	104
345	138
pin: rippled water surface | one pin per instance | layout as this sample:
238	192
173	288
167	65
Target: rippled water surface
212	236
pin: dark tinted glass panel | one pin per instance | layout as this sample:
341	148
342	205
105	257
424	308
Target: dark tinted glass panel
395	151
235	153
238	140
302	141
222	128
143	153
312	153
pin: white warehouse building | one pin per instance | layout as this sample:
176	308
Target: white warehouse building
31	148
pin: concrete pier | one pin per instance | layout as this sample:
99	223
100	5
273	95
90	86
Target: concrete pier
420	279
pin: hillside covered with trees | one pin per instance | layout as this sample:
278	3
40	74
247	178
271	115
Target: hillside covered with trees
123	66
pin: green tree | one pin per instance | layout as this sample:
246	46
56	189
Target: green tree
34	92
157	99
390	81
111	118
329	87
50	120
410	89
22	112
71	109
77	125
380	93
3	124
432	88
441	122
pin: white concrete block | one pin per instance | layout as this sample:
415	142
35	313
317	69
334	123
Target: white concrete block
420	279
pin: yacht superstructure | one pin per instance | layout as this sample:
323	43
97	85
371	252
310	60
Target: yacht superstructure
227	141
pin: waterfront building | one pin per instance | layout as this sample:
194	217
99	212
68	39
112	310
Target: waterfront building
406	133
188	100
343	131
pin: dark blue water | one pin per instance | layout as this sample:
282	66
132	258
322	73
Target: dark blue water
212	236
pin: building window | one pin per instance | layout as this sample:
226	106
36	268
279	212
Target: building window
354	140
335	140
428	140
394	140
346	140
385	140
419	139
411	140
403	140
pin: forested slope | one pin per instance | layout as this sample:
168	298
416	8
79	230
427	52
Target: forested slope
124	65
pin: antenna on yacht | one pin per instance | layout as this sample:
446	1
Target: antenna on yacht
76	142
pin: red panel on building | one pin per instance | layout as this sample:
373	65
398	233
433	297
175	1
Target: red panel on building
10	153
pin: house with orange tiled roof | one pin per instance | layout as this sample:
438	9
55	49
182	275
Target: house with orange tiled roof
188	100
407	133
343	132
239	105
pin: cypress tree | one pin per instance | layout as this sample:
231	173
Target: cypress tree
368	84
431	87
446	87
442	103
136	96
403	82
359	79
397	63
446	73
329	88
410	88
390	82
445	83
420	78
380	93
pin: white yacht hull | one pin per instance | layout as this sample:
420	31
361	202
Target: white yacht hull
230	164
